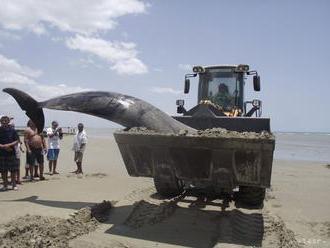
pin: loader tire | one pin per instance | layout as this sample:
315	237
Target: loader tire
252	196
169	187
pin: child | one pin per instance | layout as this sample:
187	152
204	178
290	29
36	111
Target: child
18	150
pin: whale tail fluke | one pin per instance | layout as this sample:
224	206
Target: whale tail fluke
30	106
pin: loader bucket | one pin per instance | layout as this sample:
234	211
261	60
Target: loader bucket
220	162
240	124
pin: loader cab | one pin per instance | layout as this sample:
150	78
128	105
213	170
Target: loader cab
222	86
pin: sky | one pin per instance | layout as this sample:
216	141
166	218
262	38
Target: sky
144	49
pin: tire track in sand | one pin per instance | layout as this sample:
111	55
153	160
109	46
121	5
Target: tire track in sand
235	227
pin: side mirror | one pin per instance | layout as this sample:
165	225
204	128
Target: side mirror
186	86
256	82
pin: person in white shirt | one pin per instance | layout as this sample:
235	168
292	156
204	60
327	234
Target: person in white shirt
79	145
54	134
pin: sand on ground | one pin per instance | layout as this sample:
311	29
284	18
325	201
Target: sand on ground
296	211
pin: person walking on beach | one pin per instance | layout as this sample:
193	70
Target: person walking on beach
8	161
35	147
54	134
79	145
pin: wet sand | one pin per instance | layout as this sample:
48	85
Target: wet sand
295	213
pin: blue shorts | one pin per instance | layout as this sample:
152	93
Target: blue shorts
52	154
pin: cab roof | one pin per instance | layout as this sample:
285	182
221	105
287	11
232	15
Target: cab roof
239	68
221	65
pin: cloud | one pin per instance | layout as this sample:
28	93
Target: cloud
13	74
88	20
165	90
86	62
43	92
121	55
185	67
77	16
12	66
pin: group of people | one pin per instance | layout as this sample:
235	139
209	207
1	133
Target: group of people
11	148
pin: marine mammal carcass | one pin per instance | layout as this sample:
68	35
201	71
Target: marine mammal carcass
125	110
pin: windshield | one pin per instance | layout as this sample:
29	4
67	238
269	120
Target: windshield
222	87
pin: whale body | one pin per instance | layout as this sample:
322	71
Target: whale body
125	110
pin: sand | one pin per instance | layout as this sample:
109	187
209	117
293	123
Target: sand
43	231
295	214
213	132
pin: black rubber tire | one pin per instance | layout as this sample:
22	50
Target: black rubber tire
252	196
170	187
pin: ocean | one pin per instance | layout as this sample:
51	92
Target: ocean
303	146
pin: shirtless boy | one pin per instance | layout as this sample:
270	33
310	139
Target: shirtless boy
35	147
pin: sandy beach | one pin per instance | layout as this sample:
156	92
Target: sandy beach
221	106
296	211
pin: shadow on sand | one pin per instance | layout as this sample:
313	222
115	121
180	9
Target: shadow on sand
170	223
194	225
56	204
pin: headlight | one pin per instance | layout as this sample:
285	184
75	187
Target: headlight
242	68
198	69
256	103
180	102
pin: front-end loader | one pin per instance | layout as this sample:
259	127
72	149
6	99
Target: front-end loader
233	153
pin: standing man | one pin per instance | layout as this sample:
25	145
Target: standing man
79	145
35	147
18	150
8	161
54	134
